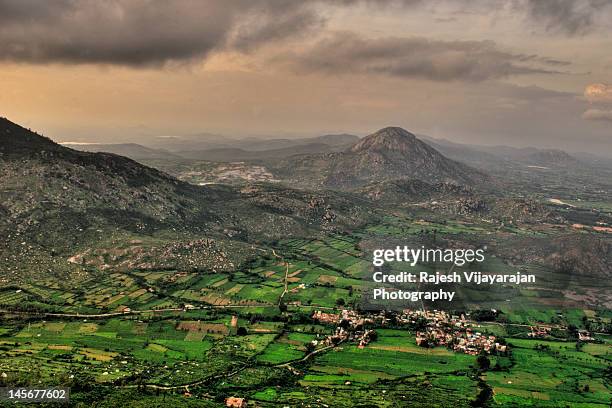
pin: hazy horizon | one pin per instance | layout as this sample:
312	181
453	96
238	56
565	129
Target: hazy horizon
520	73
149	142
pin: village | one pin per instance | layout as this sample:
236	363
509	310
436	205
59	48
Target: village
433	328
544	331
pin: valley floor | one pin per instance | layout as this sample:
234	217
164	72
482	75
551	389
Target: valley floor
182	338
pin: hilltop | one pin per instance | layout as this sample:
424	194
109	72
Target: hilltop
16	140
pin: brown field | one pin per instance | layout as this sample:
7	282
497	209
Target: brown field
215	299
140	328
540	395
157	347
137	293
234	289
98	354
112	299
262	328
88	328
220	283
59	347
327	279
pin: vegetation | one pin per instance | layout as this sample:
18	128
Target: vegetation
135	289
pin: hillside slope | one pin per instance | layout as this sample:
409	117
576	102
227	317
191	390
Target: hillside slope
57	202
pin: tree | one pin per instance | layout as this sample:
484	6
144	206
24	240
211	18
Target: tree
310	347
483	362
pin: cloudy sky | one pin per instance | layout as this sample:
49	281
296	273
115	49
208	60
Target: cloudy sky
515	72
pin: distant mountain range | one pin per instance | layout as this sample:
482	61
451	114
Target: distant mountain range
216	148
132	150
539	168
328	162
232	154
341	140
484	156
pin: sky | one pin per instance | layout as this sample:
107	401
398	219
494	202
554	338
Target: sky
516	72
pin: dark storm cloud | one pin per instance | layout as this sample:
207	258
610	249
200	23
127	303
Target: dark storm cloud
567	16
142	32
156	32
152	32
266	26
114	32
347	52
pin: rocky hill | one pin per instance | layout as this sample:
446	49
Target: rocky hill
38	174
551	157
411	191
57	202
390	153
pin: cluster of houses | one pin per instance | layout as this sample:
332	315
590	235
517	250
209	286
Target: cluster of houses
353	318
438	329
435	317
361	337
463	341
350	327
584	335
539	332
453	331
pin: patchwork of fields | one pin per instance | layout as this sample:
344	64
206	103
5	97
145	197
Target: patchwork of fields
213	335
